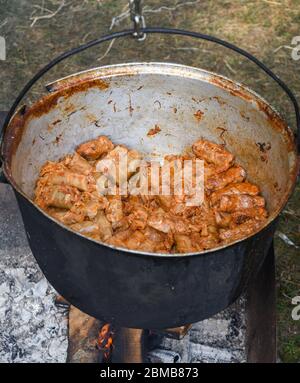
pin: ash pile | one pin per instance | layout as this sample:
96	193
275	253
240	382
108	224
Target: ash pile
32	328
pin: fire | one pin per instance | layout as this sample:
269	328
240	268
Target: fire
105	341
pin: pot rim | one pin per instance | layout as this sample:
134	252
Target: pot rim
57	87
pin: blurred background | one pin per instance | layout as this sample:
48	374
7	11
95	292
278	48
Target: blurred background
37	31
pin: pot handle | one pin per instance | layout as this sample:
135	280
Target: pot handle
155	30
2	119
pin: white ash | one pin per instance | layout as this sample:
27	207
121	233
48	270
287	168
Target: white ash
32	328
220	339
163	356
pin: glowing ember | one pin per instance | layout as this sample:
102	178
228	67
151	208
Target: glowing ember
105	341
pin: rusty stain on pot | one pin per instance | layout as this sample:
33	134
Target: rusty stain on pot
276	187
197	101
263	146
154	131
69	108
130	108
56	122
219	100
45	104
198	115
16	128
57	139
278	124
231	88
89	75
276	121
53	124
91	117
243	115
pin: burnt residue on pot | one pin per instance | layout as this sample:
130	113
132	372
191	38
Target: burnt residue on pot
231	87
49	101
275	119
18	123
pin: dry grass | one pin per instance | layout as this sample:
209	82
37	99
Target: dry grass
263	27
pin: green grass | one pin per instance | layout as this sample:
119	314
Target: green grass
290	350
258	26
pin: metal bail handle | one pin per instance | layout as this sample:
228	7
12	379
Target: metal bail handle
138	19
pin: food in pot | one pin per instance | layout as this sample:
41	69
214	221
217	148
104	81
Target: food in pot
70	191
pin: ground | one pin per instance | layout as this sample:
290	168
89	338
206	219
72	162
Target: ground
36	31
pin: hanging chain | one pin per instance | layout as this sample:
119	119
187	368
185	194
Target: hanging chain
138	19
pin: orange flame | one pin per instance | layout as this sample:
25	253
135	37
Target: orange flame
105	341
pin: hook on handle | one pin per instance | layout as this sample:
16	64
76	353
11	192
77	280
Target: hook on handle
138	19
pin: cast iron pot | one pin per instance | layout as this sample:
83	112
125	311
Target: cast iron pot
130	288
